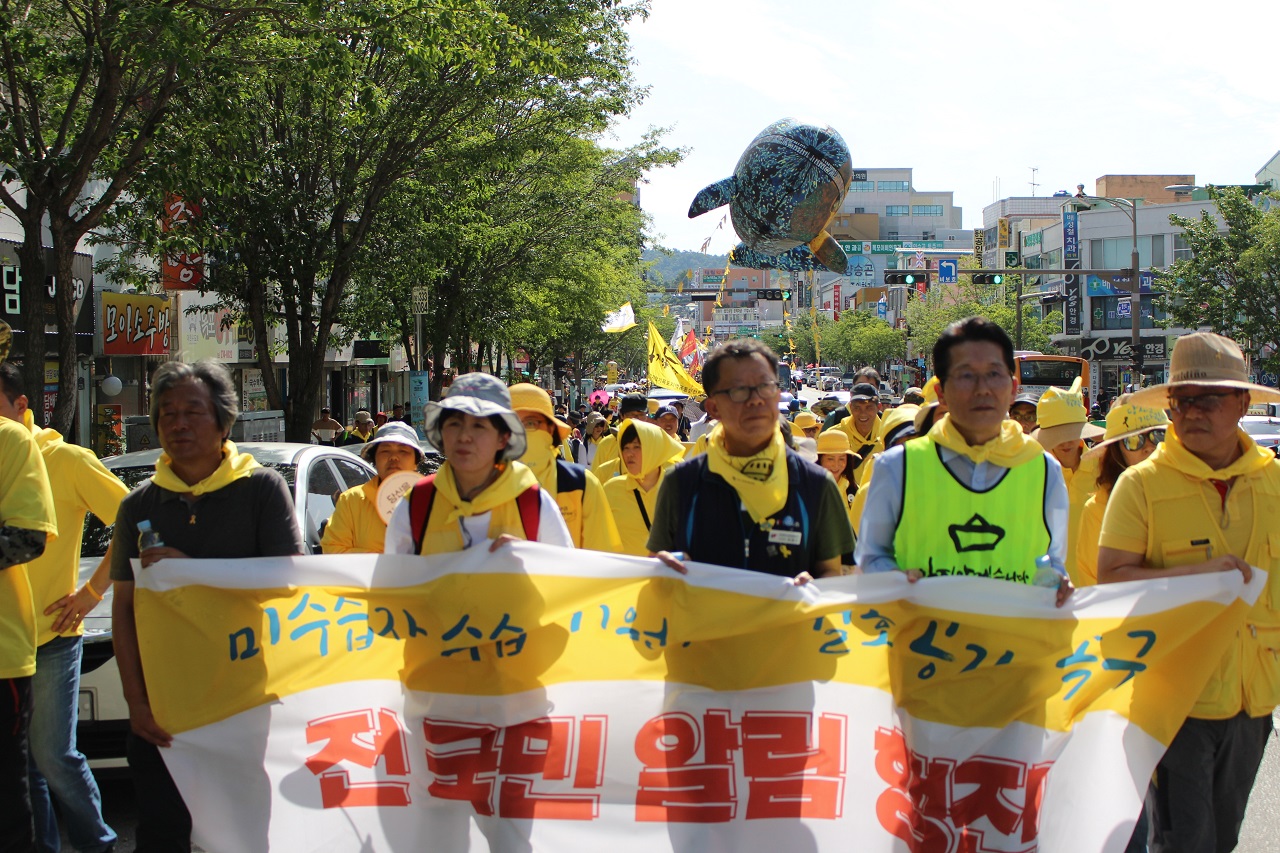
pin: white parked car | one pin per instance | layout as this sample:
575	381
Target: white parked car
1264	430
316	474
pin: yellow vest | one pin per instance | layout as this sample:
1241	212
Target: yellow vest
1178	515
952	530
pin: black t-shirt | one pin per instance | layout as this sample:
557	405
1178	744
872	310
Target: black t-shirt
249	517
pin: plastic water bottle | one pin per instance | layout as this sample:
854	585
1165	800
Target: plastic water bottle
1046	575
148	538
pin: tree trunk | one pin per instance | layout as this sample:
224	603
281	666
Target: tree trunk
31	265
64	296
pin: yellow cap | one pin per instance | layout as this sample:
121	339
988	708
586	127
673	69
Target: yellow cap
1126	419
653	406
930	391
891	420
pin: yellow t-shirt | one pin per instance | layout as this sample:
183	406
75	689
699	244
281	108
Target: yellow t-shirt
1084	572
80	484
26	502
356	525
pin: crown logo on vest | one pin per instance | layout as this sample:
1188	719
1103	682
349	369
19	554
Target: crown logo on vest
976	534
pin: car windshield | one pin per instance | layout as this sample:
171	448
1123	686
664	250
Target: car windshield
1268	426
97	536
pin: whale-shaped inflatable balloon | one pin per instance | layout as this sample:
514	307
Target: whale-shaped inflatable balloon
786	187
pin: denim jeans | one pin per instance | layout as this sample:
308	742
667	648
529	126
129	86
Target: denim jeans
57	767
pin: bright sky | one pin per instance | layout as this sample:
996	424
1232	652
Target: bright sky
1177	87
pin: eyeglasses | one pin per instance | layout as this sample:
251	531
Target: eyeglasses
1137	442
1207	403
742	393
1023	416
967	380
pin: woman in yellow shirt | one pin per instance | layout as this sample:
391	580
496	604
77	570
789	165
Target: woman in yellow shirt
1133	433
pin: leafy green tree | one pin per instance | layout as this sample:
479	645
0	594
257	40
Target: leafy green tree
90	87
1231	282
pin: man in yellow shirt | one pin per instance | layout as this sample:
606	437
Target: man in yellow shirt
80	484
1206	501
356	526
27	523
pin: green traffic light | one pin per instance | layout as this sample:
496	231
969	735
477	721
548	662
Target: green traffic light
910	279
997	279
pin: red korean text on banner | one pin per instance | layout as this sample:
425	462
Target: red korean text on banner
182	270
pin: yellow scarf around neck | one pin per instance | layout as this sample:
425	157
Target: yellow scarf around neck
1008	450
1175	453
762	494
234	466
498	497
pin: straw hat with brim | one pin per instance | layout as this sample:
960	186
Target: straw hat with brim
1206	359
1062	417
479	395
527	397
1126	419
835	441
392	432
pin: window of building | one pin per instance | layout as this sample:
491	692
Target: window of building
1181	251
926	210
897	210
859	210
862	186
1115	253
894	186
1107	313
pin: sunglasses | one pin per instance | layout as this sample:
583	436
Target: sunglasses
1207	403
1137	442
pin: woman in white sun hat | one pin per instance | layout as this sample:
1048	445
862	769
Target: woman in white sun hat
1133	433
480	492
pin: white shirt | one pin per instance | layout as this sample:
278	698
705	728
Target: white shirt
475	528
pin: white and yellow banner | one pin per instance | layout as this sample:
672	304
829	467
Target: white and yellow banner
542	699
621	320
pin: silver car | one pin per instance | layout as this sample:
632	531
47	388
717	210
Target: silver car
316	475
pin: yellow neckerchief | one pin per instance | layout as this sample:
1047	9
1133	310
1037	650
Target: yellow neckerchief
763	494
234	465
364	436
540	458
1175	453
856	438
498	497
1008	450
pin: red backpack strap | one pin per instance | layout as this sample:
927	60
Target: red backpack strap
421	497
529	503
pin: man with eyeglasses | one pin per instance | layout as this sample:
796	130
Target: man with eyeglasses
958	500
1206	501
749	502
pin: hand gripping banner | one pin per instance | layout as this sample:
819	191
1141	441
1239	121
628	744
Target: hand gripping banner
541	699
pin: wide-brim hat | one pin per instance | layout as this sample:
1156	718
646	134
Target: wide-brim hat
1050	437
480	395
1126	419
807	420
1203	358
527	397
392	432
835	441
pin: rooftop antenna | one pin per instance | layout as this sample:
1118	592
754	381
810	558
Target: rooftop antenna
1033	183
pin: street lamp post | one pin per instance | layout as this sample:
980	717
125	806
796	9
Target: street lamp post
1129	208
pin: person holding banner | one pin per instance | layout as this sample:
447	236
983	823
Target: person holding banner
481	493
358	525
206	500
750	502
647	453
981	477
1206	501
577	491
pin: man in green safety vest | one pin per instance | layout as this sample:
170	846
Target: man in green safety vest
974	496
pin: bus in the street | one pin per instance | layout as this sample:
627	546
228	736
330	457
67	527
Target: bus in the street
1038	372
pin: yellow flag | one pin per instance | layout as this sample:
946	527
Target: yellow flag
621	320
666	310
666	369
680	286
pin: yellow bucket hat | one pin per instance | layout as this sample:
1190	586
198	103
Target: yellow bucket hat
1126	419
527	397
1062	416
835	441
806	420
